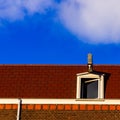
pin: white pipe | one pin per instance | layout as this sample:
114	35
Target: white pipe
19	109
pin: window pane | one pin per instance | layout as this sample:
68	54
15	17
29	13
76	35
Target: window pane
89	89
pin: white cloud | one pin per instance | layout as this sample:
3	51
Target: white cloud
96	20
10	9
16	9
37	5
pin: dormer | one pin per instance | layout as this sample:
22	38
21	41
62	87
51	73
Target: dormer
90	85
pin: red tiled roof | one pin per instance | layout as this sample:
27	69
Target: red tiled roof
51	81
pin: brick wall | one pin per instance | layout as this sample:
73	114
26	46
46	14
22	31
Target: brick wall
61	112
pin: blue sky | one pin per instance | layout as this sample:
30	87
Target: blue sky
59	32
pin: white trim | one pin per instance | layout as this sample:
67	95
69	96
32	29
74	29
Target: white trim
61	101
78	88
87	74
99	89
84	73
102	86
98	77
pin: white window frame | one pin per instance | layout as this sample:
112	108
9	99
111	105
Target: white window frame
100	79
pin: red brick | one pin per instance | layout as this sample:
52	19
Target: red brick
82	107
75	107
90	107
118	107
2	106
24	106
8	106
14	106
104	107
97	107
30	107
37	107
67	107
60	107
45	107
112	107
52	107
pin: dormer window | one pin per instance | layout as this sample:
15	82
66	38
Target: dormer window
90	86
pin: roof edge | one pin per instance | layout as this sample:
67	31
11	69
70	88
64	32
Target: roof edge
58	64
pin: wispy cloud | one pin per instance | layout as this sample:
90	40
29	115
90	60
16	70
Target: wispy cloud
37	5
10	9
96	20
17	9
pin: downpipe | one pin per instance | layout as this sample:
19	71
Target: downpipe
19	109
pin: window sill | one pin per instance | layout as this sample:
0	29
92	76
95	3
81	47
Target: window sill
97	99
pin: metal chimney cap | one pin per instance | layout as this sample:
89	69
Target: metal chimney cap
89	58
90	64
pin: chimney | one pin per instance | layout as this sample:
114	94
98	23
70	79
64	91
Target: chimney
90	64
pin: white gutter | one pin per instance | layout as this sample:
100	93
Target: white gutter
19	109
59	101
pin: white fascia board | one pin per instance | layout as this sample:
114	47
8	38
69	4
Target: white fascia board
90	75
84	73
61	101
